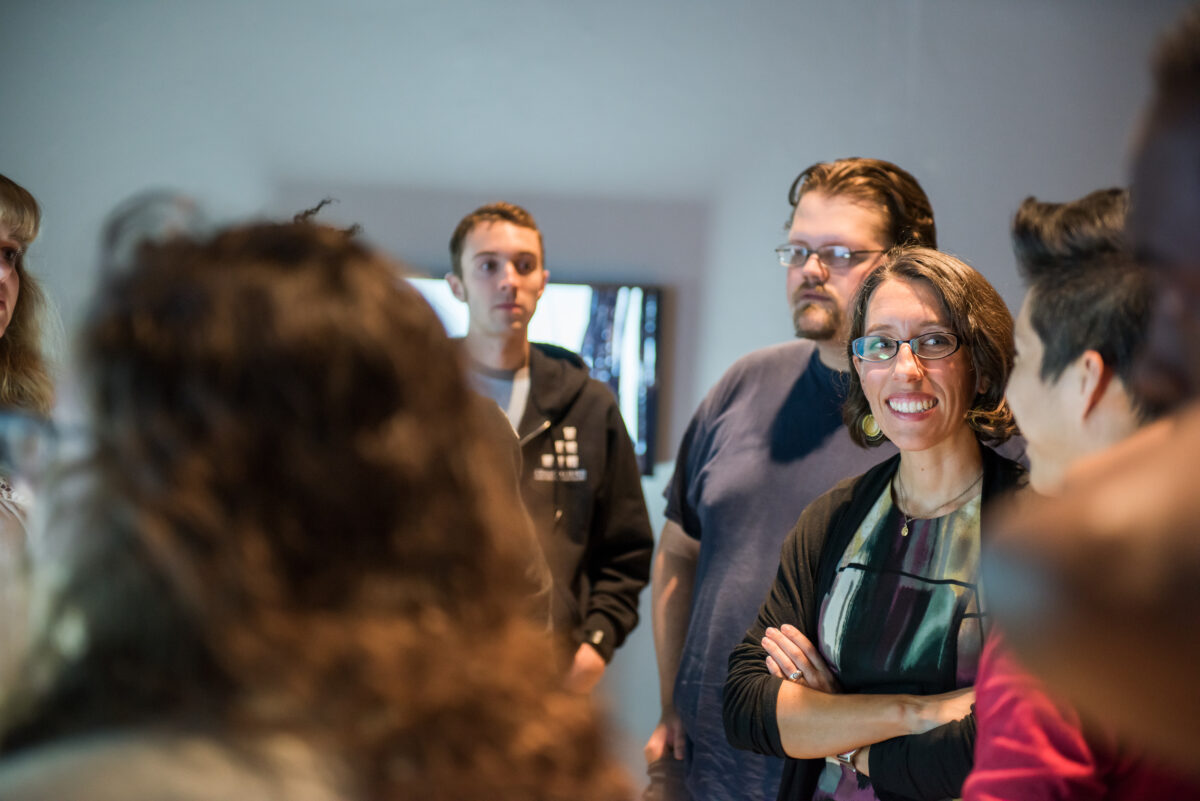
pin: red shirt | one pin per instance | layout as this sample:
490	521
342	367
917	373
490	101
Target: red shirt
1029	748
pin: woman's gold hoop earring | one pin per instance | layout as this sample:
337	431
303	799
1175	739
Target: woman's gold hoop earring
870	428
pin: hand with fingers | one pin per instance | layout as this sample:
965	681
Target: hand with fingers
586	669
667	740
937	710
792	656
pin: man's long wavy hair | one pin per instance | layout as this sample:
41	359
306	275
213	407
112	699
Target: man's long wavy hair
876	183
25	381
293	527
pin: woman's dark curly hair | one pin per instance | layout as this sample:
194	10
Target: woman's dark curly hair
976	313
294	526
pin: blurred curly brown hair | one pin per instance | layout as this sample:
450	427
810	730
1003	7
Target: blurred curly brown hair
295	527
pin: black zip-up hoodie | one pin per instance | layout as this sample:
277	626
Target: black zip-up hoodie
581	485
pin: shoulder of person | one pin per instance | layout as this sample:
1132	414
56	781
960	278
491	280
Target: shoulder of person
1001	474
796	352
545	354
757	369
854	491
154	764
557	377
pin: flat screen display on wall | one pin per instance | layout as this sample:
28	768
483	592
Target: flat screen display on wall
613	327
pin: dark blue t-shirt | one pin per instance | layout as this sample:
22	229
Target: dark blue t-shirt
766	441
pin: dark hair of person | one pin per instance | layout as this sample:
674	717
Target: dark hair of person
25	381
1165	191
1086	291
491	213
1177	57
976	313
293	525
878	183
310	215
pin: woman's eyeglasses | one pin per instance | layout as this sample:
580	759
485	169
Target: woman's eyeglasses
934	345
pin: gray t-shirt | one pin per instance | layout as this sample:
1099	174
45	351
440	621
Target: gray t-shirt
508	388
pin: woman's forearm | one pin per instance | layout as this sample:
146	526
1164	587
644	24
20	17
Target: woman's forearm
814	724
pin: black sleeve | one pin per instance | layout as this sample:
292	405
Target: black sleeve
750	690
926	766
621	542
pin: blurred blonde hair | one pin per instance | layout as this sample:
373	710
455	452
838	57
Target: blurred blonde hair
24	379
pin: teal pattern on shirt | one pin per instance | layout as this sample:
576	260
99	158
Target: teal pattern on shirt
902	607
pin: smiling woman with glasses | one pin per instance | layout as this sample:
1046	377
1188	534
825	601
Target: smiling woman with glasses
861	663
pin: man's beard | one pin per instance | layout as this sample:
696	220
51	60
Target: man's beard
816	320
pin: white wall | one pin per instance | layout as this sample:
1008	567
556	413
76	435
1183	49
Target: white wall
654	141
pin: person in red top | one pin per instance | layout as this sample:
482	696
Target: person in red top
1117	552
1085	316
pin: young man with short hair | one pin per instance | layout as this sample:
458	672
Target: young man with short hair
580	479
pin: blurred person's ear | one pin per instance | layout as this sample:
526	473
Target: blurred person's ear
1092	377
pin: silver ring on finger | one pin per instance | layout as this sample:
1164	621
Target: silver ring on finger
796	675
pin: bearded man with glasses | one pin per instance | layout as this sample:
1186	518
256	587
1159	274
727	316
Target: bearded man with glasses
766	441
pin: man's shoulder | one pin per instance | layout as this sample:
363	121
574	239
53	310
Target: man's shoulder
794	355
569	372
563	358
870	481
557	378
765	373
853	495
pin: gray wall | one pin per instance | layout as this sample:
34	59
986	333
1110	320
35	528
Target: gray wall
654	141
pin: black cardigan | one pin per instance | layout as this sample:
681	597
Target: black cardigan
926	766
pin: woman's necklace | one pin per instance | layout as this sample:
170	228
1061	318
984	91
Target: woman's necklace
904	502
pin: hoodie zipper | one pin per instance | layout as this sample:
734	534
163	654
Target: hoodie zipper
525	439
558	512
